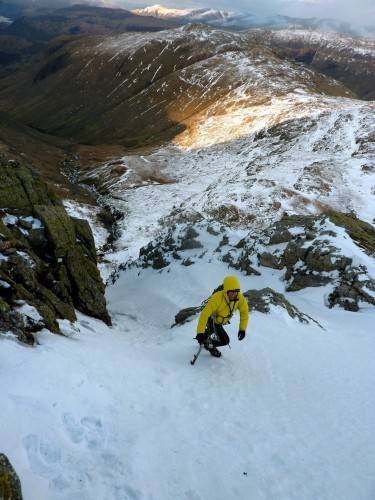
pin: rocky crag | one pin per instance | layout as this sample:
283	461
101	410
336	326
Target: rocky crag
47	259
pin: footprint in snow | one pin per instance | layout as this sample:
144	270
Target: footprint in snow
43	455
89	430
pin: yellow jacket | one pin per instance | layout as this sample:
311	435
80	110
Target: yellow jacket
221	309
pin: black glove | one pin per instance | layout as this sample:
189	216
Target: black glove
200	338
241	334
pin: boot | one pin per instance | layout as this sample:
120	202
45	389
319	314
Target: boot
214	351
211	348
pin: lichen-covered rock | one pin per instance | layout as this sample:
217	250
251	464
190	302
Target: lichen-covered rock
87	285
47	259
361	232
58	227
85	237
11	320
10	484
21	188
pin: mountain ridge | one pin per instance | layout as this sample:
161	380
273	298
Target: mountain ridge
244	20
171	63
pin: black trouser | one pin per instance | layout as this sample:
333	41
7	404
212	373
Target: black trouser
212	328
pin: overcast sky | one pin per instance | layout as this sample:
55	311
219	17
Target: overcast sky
356	11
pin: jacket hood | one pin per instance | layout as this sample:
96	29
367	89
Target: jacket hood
231	283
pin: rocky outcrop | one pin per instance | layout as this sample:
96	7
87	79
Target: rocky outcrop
47	259
186	314
333	249
10	485
262	301
306	248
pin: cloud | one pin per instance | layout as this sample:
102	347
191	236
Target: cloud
360	11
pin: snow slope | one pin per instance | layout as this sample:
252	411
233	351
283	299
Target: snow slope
120	413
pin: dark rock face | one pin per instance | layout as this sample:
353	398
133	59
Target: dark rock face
21	189
47	259
10	485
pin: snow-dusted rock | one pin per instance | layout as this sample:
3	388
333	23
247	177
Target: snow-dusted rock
47	259
309	251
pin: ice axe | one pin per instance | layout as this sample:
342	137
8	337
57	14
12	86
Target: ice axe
196	355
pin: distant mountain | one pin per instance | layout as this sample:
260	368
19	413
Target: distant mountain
190	15
14	8
351	61
244	20
39	24
33	27
231	20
